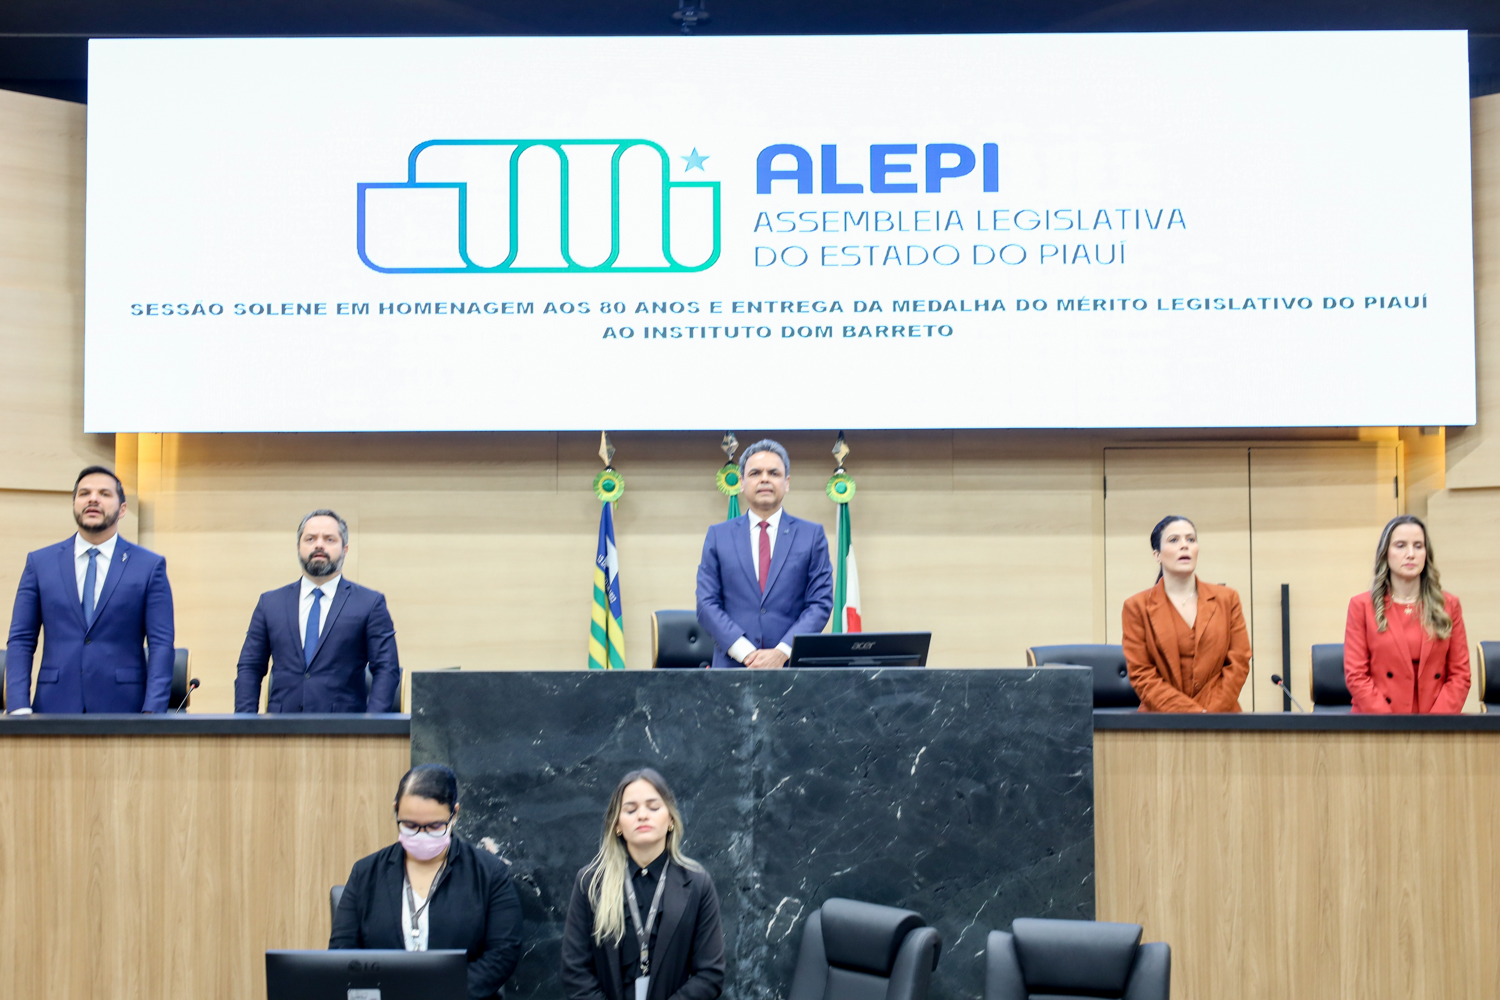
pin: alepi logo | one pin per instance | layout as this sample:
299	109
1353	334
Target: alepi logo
486	206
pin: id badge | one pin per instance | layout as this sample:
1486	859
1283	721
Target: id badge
642	985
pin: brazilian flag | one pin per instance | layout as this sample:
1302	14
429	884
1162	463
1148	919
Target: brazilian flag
606	635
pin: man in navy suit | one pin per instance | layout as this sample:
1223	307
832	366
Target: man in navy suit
765	576
319	634
106	608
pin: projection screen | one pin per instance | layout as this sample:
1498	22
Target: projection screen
1109	230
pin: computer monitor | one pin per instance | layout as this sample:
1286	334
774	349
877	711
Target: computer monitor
366	975
861	649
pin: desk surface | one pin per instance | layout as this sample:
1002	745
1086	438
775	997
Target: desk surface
188	724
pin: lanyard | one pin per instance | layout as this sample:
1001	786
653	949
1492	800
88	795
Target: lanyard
411	898
643	934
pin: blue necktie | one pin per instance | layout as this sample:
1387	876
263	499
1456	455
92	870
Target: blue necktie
90	581
310	641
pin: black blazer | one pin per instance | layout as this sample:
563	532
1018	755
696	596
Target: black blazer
358	632
474	907
687	962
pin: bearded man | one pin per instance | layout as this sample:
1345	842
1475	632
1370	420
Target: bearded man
105	607
319	634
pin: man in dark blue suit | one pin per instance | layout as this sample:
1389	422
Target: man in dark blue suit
765	576
319	634
102	603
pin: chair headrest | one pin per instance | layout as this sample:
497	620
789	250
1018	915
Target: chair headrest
865	936
1489	663
1074	956
1083	654
1328	684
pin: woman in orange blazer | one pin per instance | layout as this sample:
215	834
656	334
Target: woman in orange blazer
1405	649
1185	641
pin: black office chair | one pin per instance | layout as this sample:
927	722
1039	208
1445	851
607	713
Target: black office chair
1489	681
1112	690
334	895
1330	691
1075	958
678	641
862	951
181	696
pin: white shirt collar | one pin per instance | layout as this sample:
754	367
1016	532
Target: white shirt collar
106	548
329	589
774	520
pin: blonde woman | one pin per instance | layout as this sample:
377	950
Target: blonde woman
1404	644
641	887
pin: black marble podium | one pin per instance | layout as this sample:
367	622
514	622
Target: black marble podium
966	795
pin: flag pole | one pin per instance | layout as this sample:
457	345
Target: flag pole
607	631
840	489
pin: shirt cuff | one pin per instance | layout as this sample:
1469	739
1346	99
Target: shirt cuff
21	711
785	649
740	649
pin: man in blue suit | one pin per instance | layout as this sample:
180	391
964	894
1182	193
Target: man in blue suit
765	576
319	634
106	608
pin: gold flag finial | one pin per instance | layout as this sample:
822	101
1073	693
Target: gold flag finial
606	449
729	445
840	450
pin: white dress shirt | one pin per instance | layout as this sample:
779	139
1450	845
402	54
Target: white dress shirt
304	606
101	568
743	647
414	940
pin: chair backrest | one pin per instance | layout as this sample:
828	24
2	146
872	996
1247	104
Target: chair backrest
678	641
180	696
1075	958
863	951
1487	681
334	895
1111	680
1329	688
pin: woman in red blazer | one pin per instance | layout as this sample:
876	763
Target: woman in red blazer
1404	645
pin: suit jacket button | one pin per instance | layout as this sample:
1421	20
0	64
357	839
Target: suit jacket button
762	610
1388	701
1389	674
87	641
1437	677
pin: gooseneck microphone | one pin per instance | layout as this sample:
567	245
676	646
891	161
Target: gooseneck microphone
193	685
1276	679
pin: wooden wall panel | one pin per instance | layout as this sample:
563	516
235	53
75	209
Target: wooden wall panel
1316	514
1474	452
42	444
1465	530
162	868
1293	866
1306	866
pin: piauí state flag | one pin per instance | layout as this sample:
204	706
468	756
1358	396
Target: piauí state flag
606	635
845	580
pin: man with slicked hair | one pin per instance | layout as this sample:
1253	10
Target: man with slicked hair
765	576
104	609
319	634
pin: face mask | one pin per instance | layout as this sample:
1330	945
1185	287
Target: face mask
423	846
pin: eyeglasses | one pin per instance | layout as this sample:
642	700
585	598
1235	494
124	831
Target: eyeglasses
431	829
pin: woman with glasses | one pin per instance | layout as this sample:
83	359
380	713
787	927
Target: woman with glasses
643	923
432	891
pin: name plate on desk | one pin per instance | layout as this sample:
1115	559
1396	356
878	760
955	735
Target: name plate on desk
966	795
